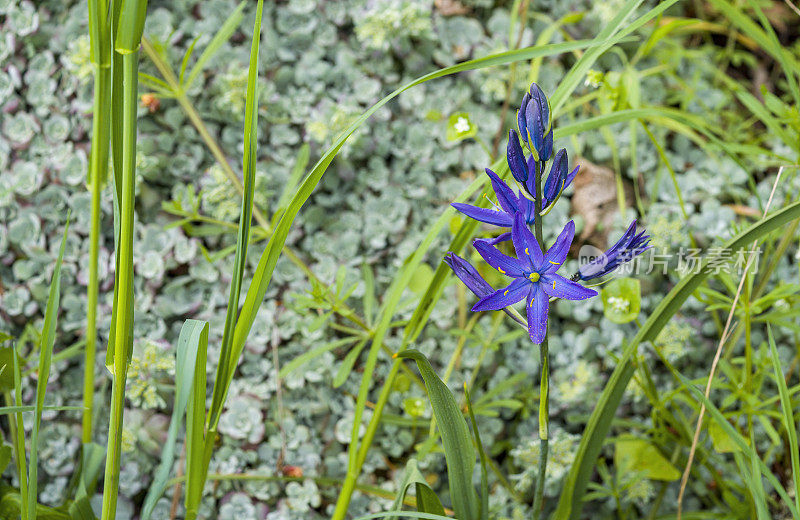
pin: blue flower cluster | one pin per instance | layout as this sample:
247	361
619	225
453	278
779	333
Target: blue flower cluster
533	271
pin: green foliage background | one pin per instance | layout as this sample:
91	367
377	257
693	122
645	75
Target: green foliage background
321	65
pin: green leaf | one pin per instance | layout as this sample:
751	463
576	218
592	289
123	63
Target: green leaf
789	422
571	502
6	451
347	363
192	342
6	371
622	300
198	445
421	278
460	127
427	501
300	164
458	450
482	457
721	441
638	455
414	406
46	344
230	350
93	456
223	35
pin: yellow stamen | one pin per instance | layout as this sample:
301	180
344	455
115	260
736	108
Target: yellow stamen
526	251
499	269
554	263
554	284
505	293
532	298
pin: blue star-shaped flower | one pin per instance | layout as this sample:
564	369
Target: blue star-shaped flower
534	276
630	245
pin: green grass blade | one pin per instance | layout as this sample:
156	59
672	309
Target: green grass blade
93	455
228	354
18	436
46	345
427	501
196	443
314	353
223	35
7	410
789	421
482	455
300	164
405	514
192	344
458	450
599	424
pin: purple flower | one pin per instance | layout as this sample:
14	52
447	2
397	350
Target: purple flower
534	275
626	249
472	278
559	178
533	119
511	204
523	170
468	274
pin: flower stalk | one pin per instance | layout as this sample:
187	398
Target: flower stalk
100	38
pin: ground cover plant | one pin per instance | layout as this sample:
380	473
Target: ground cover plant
228	235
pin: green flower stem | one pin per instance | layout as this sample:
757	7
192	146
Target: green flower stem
101	128
185	103
123	306
544	386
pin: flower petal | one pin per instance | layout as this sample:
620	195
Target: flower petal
503	263
559	287
503	237
516	157
468	275
556	255
571	176
505	195
504	297
490	216
537	306
528	250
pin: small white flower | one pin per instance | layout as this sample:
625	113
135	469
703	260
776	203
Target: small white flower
619	304
462	125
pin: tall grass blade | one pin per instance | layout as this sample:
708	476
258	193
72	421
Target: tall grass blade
458	450
192	343
571	501
482	457
427	501
46	345
223	35
92	458
18	437
228	356
196	464
789	421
